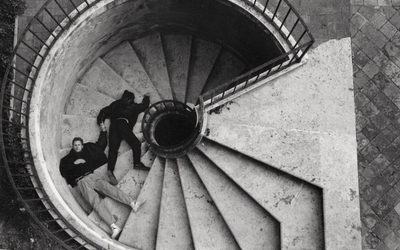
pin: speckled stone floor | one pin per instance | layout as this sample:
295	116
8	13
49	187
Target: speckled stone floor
375	36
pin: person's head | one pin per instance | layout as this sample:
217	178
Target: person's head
129	96
77	144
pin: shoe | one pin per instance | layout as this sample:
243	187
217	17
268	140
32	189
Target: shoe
115	231
111	178
135	205
140	166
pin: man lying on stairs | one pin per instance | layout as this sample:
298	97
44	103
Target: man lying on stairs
77	168
123	114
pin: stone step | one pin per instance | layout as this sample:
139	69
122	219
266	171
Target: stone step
177	57
140	229
297	204
102	78
252	226
209	230
124	61
203	56
148	158
226	67
150	52
173	227
86	101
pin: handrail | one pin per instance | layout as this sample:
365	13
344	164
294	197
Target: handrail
161	107
29	53
292	29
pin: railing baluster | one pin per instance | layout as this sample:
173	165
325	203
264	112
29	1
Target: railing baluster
45	27
34	34
301	37
305	51
65	13
75	6
52	17
26	60
284	19
19	86
16	98
22	72
276	10
291	31
27	45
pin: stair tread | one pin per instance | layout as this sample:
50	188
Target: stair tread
86	101
226	67
140	229
102	78
209	230
150	52
202	60
173	229
177	57
253	227
285	194
124	61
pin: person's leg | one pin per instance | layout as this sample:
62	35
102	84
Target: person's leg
85	186
111	191
133	141
115	142
117	194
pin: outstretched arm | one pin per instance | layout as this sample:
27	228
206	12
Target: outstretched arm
104	114
144	105
102	141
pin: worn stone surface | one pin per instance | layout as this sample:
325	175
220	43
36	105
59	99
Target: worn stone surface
306	127
124	61
177	57
209	229
302	229
173	224
202	60
140	230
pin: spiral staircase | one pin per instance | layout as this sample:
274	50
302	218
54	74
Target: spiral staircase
204	192
195	200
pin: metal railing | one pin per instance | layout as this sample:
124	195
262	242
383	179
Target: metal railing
151	117
29	53
293	30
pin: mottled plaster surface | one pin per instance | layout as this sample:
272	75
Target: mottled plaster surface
304	124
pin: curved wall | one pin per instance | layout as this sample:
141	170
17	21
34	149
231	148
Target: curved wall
96	32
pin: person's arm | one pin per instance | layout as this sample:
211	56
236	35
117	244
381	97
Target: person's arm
105	113
102	141
141	107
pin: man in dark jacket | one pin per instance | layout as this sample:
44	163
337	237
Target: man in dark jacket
77	168
123	114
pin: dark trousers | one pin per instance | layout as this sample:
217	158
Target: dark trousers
121	130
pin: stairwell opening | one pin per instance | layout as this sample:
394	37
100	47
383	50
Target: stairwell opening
173	129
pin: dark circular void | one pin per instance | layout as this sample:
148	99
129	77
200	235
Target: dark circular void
173	129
